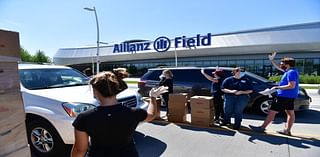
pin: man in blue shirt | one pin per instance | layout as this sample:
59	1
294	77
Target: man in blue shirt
287	91
237	89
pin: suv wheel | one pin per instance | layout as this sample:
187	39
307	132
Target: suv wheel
43	139
263	105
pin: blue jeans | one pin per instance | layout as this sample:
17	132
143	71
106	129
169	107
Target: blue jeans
234	104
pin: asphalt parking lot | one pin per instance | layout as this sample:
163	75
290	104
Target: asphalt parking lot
171	140
165	139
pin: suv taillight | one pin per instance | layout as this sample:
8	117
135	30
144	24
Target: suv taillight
141	83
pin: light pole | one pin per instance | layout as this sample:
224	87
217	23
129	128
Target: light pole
176	56
95	13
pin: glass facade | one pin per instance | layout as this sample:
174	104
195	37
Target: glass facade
262	67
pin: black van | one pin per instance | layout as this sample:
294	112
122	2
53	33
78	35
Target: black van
190	80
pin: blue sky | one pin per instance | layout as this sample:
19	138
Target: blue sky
48	25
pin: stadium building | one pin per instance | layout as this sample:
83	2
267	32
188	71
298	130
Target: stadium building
248	49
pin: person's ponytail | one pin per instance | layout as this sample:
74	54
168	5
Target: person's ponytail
121	73
106	83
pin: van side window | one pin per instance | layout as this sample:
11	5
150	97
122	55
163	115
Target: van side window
189	76
153	75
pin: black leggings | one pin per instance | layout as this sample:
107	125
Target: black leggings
218	106
165	99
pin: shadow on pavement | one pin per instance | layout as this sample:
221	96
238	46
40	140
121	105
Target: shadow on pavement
280	118
307	116
226	131
160	122
296	141
148	146
65	153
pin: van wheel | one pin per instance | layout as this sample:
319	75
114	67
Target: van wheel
43	139
263	105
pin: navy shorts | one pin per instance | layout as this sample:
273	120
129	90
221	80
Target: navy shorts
280	104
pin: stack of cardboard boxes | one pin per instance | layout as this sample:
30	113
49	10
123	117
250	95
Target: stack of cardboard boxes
202	110
178	107
13	138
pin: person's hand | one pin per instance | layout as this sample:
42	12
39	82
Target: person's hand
161	77
238	93
155	92
202	70
233	91
271	57
275	87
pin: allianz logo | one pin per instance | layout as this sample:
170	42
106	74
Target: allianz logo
163	44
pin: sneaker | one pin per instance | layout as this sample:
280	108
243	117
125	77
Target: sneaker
225	123
217	121
257	128
284	132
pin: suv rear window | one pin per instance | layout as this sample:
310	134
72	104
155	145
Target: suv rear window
152	75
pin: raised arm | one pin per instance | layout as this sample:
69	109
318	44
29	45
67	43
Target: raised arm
271	58
154	93
208	76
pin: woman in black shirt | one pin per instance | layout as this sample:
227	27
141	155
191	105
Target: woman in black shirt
166	79
217	79
110	126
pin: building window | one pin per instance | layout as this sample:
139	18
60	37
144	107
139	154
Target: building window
300	65
316	66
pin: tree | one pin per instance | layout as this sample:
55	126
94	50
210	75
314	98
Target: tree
25	55
40	57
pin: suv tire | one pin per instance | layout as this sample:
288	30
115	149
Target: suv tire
263	105
43	139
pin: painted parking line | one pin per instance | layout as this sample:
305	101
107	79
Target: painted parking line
273	133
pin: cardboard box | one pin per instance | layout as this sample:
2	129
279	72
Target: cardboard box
9	44
178	98
177	118
202	113
178	102
13	137
179	112
202	110
201	121
177	106
204	102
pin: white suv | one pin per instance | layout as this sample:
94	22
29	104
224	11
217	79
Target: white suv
53	96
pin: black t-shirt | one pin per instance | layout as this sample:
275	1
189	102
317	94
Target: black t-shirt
216	88
167	82
110	129
241	84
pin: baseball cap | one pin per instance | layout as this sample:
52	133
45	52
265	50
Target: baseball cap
219	72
